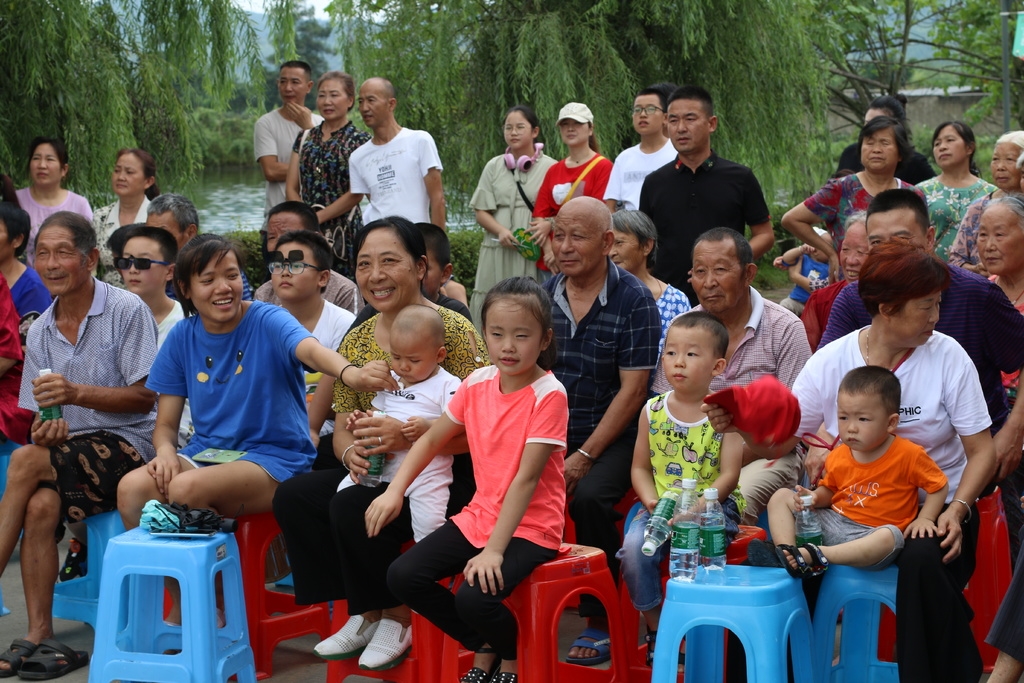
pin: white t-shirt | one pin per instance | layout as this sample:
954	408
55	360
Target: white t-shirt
185	428
329	331
274	136
941	397
631	168
391	176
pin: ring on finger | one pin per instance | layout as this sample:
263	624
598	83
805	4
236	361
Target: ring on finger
380	439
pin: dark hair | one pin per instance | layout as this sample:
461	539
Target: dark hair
165	240
58	147
743	251
701	320
536	300
298	64
896	272
694	92
7	193
900	198
406	232
894	104
874	381
347	83
148	168
966	134
661	90
306	215
316	243
638	224
880	123
527	112
194	257
82	234
18	224
183	210
437	243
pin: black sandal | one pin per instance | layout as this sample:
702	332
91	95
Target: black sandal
802	570
478	675
505	677
15	656
650	638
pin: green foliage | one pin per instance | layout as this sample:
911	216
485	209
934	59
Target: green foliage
254	268
459	66
465	253
224	138
108	74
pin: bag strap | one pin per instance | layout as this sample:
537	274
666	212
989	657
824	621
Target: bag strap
522	194
305	134
583	175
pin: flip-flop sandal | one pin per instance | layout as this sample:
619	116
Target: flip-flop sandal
762	554
819	561
15	656
52	659
802	570
592	639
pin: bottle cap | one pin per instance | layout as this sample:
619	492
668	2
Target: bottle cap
710	494
648	548
44	372
807	499
689	483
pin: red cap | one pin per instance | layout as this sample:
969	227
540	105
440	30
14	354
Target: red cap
766	409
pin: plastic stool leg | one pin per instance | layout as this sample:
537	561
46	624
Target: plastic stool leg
3	610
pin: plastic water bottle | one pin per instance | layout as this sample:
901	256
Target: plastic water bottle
712	532
684	556
808	528
376	467
659	526
53	412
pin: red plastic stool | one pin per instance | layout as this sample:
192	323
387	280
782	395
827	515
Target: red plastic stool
538	603
273	616
992	573
639	672
423	665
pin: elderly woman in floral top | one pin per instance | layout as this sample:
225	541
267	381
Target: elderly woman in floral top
318	172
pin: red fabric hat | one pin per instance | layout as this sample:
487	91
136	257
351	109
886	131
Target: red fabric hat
766	409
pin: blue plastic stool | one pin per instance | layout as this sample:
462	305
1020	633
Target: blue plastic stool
858	593
6	448
764	607
132	636
3	610
77	599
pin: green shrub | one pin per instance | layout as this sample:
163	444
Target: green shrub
254	268
465	253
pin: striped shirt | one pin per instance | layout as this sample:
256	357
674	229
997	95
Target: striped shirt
116	347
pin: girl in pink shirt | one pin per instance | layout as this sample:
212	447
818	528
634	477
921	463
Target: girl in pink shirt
514	415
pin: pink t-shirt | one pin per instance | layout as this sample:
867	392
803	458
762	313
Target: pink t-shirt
38	213
498	427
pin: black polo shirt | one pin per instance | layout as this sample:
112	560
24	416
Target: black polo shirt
684	204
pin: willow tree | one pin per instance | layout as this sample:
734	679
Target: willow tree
459	64
106	74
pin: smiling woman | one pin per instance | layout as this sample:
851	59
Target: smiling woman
134	183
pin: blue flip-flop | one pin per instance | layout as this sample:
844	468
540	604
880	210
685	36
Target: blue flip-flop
592	639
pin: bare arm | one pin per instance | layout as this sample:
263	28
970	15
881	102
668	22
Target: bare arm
53	390
762	238
981	466
374	376
797	278
291	186
165	466
640	471
274	171
339	207
1008	442
612	204
800	222
435	190
489	223
731	462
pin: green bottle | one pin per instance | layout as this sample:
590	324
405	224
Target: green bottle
53	412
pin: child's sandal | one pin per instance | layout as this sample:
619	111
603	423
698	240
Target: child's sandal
650	638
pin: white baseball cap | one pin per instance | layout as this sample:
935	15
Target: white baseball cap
577	112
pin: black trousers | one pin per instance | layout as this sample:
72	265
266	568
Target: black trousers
471	616
1007	632
592	507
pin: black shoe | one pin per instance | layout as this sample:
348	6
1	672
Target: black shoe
75	562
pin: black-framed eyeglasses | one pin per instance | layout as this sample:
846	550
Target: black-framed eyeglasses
293	267
650	110
137	261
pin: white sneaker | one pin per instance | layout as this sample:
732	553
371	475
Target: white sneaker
388	647
349	642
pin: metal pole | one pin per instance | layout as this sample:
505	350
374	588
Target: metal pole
1005	16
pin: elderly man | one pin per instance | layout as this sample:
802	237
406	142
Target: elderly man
764	339
177	215
606	332
99	342
288	216
398	170
851	258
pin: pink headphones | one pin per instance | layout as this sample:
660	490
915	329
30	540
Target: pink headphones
524	164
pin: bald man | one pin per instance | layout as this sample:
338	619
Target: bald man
398	170
606	330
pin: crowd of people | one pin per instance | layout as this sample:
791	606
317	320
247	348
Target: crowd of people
611	299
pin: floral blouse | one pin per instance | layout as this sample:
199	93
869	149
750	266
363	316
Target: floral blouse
964	249
840	198
323	178
947	207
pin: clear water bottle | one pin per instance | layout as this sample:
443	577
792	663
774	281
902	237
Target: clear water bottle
53	412
376	467
808	528
659	526
712	532
684	555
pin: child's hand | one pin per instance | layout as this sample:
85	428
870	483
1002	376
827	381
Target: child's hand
382	511
800	492
485	568
350	423
780	264
651	504
921	528
415	427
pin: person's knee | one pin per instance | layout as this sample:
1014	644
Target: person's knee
28	466
471	603
404	579
42	513
920	554
134	490
189	489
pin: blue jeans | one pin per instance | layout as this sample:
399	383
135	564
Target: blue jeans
642	574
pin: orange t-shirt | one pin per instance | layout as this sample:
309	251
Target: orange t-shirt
883	491
498	427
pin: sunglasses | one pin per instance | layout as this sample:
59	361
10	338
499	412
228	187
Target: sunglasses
138	262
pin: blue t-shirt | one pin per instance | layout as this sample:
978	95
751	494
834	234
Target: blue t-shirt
246	388
31	298
808	266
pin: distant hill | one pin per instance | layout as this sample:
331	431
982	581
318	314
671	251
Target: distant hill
259	19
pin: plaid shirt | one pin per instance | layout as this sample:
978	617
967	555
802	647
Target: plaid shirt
115	348
620	332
